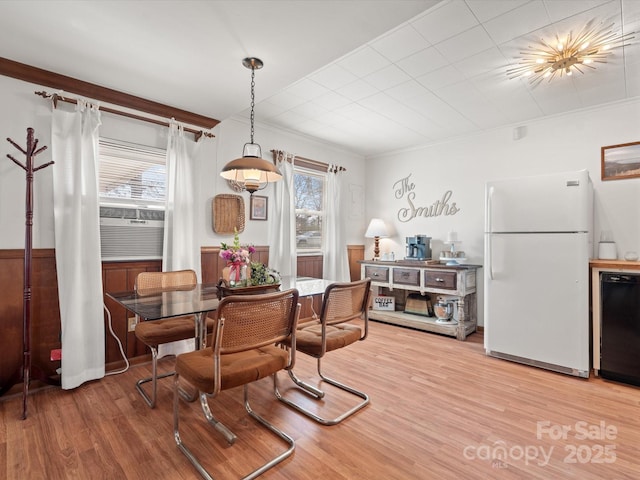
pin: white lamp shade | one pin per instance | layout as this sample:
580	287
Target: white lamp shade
376	228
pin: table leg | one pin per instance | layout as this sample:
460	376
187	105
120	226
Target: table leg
201	330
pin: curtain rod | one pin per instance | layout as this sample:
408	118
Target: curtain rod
56	97
332	168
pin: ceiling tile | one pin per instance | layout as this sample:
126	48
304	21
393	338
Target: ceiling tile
433	107
422	62
289	119
560	9
487	9
504	93
307	89
363	62
311	127
333	77
387	77
331	100
354	112
330	118
309	109
286	99
465	44
557	96
515	23
490	60
400	43
444	21
357	90
440	78
407	91
266	109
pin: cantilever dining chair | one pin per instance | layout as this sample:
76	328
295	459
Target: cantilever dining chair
158	332
248	331
342	304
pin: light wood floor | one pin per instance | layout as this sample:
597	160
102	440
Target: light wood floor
440	409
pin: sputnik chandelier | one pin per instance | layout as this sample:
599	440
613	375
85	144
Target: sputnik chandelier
592	45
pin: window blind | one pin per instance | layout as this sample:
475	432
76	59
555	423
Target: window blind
132	173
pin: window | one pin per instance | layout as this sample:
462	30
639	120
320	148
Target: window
309	205
132	174
132	191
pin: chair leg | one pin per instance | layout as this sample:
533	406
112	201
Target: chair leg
314	416
229	436
287	453
193	459
151	400
307	388
176	431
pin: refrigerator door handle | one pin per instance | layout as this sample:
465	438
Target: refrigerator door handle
488	209
488	229
489	258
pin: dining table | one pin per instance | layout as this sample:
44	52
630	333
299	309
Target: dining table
199	300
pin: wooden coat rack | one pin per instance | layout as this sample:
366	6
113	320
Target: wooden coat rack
28	370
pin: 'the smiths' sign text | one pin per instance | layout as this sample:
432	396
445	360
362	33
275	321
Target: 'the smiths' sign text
404	189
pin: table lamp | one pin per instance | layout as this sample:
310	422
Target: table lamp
376	230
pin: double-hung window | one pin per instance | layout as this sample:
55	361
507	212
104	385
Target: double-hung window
132	191
309	206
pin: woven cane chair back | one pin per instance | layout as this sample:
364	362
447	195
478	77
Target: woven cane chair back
254	321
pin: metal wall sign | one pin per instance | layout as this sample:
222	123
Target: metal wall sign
404	190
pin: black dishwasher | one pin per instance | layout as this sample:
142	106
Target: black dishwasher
620	330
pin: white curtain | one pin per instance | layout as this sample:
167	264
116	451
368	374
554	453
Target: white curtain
282	250
180	248
335	263
74	141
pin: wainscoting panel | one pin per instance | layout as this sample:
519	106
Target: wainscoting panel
45	312
116	277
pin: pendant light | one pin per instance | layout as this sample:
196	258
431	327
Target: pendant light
251	172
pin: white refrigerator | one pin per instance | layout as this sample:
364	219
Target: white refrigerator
538	242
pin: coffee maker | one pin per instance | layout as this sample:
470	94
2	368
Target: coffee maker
418	247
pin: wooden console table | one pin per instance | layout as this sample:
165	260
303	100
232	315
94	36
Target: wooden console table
446	282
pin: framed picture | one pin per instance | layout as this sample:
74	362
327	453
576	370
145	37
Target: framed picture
258	207
620	161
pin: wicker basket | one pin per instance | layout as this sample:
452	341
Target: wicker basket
228	213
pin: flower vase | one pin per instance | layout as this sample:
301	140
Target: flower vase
236	274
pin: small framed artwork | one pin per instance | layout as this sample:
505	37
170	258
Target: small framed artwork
258	207
620	161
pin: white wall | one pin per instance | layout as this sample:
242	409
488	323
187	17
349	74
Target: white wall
20	109
234	133
563	143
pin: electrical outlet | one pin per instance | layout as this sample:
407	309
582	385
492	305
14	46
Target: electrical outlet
132	323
